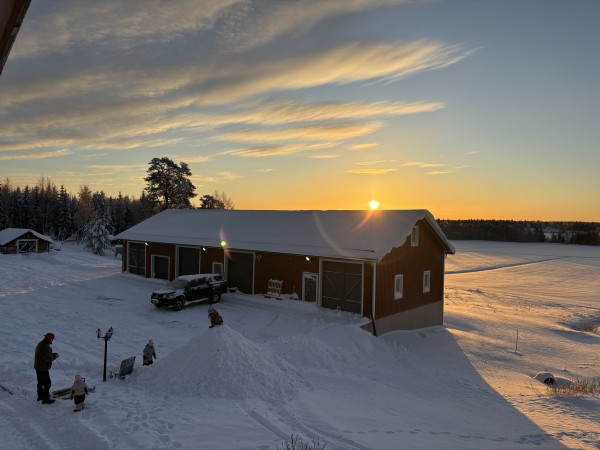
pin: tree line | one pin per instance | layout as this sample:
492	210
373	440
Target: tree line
583	233
92	216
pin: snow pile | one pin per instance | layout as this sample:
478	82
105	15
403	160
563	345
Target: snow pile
221	362
313	353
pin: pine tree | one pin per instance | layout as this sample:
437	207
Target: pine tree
209	202
65	216
98	229
169	185
83	213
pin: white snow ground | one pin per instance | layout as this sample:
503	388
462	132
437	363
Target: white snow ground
283	368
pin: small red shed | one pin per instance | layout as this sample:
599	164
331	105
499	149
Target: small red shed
23	240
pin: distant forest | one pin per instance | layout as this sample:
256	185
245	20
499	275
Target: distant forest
63	216
583	233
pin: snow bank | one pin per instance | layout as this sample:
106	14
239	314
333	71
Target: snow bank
221	362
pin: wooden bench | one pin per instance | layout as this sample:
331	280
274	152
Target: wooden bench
125	369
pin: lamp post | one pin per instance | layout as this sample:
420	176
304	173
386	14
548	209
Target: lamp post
106	338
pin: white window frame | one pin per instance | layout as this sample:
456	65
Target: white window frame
426	281
414	236
398	287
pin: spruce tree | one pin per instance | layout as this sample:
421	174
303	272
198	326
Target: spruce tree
97	232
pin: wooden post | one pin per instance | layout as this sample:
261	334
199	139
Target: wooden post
373	324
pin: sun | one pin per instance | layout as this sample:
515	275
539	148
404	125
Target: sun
374	204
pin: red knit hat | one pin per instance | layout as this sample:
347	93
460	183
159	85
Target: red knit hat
49	336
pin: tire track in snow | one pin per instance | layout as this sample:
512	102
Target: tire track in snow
294	424
502	266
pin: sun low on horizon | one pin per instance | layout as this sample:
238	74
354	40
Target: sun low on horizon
374	204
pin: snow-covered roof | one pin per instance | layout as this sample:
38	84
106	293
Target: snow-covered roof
336	233
10	234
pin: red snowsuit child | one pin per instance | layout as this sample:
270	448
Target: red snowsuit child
214	316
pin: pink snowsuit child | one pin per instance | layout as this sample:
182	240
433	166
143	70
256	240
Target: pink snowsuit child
78	392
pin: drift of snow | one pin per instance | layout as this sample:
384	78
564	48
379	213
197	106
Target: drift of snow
282	368
220	362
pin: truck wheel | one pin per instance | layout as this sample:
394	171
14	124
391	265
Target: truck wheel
214	298
178	304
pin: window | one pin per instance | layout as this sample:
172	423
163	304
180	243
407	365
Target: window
414	237
217	267
427	281
398	286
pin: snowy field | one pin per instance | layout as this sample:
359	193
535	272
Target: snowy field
283	368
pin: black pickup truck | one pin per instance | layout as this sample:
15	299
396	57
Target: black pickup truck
187	288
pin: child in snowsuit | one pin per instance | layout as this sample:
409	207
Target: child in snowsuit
214	316
78	392
149	353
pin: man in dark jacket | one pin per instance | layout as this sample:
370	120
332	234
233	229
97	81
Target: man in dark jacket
42	364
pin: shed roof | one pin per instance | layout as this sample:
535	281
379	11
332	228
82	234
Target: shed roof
10	234
336	233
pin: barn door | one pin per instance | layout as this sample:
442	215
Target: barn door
342	286
27	246
136	260
160	267
240	271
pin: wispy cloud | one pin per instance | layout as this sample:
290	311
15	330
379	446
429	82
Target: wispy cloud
330	156
292	111
327	132
419	164
194	159
259	152
363	146
440	172
226	175
370	163
41	155
371	171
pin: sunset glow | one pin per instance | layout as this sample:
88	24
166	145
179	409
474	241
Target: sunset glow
317	105
373	204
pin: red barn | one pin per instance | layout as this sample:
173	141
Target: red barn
385	265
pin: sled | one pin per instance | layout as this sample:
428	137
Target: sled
125	369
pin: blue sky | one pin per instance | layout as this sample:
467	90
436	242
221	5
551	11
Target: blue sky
471	109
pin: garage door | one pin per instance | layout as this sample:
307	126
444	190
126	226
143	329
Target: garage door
189	260
136	258
240	271
342	286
